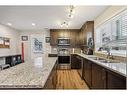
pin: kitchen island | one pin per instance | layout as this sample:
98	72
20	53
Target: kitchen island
32	74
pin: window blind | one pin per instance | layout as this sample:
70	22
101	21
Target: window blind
113	34
123	26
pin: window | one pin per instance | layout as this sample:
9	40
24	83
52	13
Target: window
123	26
113	35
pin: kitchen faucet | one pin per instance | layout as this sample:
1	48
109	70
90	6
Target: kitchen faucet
109	55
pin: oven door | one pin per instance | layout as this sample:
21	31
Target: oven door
64	59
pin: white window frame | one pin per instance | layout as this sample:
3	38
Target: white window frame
122	53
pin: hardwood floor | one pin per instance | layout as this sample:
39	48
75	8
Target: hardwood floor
70	79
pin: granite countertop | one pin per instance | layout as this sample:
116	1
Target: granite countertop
29	74
9	55
119	68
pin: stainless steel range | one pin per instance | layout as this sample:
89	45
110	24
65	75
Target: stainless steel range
64	54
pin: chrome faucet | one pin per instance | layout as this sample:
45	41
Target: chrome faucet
109	55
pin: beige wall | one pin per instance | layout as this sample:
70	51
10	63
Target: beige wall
29	55
107	14
15	42
14	36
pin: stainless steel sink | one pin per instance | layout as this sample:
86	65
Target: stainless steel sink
106	61
101	60
97	58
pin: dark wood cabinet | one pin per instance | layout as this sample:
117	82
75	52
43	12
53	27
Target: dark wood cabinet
115	81
78	37
87	67
87	30
74	38
54	36
75	62
64	33
52	79
98	77
94	75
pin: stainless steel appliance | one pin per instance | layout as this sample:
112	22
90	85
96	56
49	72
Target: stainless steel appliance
64	57
63	41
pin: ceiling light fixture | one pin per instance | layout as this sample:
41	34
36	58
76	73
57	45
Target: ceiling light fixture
70	15
64	24
71	12
10	24
33	24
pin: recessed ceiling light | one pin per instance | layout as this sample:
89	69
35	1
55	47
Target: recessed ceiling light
33	24
9	24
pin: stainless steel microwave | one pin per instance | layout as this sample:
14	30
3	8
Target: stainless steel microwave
63	41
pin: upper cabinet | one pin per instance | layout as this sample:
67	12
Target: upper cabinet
54	36
87	34
74	37
64	33
78	37
112	35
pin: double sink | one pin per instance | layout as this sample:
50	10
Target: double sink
102	60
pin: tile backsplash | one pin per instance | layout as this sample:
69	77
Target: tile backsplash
75	50
72	50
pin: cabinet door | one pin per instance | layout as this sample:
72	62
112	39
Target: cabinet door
73	38
84	37
115	81
81	38
77	38
63	33
8	60
75	62
87	71
98	77
87	31
54	36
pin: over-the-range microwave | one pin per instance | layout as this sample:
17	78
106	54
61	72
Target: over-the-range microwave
63	41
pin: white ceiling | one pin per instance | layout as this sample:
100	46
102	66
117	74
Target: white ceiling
49	17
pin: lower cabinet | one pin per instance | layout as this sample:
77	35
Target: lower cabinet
13	60
52	79
98	77
115	81
87	71
75	62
